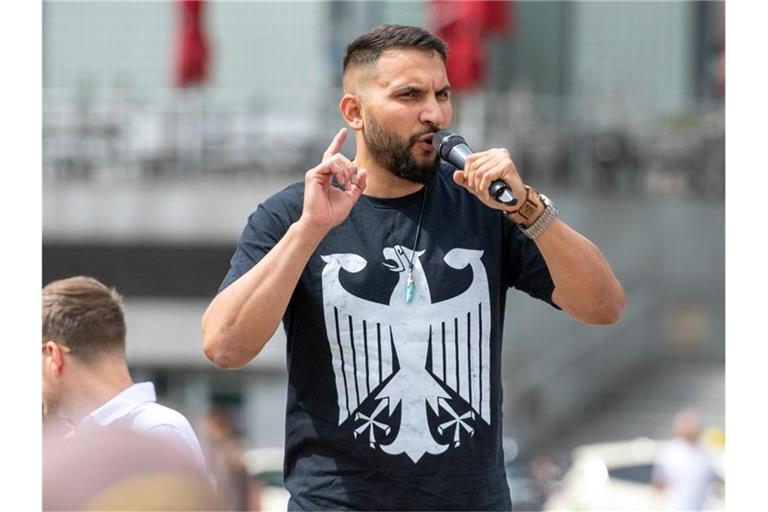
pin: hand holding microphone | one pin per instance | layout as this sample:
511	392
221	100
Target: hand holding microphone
484	173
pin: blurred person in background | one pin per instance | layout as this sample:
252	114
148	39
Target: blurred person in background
545	475
115	468
684	470
225	460
86	382
394	398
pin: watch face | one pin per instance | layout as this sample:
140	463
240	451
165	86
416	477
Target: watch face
527	209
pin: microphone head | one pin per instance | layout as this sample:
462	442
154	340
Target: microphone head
445	140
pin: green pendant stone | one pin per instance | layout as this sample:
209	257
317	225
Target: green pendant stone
409	290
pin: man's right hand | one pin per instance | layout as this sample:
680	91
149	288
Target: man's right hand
326	206
243	317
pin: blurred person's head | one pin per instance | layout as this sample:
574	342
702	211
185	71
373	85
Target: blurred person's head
687	426
544	468
118	469
83	347
396	94
218	423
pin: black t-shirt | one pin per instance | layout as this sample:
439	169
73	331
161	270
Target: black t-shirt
396	405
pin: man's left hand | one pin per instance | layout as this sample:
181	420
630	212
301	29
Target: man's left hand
481	169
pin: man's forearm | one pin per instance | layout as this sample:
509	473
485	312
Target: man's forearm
244	316
585	285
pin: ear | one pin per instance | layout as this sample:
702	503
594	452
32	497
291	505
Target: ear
351	110
53	357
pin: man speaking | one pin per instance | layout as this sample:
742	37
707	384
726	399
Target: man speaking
390	273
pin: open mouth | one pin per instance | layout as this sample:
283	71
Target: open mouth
425	142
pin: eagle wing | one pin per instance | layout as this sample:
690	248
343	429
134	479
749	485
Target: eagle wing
360	336
459	339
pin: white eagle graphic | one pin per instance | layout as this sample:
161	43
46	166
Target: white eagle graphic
436	346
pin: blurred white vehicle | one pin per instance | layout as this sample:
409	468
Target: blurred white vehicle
266	466
617	476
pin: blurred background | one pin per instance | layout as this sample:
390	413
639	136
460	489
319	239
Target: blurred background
166	123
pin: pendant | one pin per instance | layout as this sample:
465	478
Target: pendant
409	288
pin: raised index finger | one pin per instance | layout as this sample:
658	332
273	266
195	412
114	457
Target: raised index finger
336	144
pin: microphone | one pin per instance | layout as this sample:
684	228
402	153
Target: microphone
454	149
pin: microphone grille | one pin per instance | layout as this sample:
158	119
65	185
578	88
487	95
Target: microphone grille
445	140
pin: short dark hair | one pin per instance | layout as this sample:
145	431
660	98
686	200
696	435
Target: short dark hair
86	316
367	48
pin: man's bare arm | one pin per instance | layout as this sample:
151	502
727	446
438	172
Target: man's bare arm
585	286
243	317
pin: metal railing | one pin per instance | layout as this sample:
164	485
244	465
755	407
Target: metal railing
186	136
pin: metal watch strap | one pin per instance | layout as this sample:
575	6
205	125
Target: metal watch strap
545	219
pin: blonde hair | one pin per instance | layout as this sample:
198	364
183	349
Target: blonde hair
86	316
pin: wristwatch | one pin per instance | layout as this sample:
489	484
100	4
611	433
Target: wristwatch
544	220
531	208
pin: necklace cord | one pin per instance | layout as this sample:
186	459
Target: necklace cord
418	223
418	228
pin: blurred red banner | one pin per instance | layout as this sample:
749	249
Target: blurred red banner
192	57
465	27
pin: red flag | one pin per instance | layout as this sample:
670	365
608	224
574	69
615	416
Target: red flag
500	17
465	26
191	45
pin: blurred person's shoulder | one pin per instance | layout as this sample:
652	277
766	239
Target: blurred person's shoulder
151	415
668	448
674	450
163	422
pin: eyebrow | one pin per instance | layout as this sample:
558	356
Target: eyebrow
419	89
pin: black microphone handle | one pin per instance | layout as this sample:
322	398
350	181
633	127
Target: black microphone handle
501	192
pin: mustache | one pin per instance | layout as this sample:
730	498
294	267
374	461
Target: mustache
415	138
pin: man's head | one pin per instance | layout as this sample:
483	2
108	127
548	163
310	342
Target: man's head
83	326
396	95
687	426
366	49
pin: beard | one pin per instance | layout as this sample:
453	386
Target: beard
394	154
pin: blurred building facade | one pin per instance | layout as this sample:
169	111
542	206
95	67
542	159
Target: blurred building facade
614	108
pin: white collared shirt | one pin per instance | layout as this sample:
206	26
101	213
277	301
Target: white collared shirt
138	409
687	471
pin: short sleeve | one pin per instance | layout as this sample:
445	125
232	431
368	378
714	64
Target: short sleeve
528	270
261	233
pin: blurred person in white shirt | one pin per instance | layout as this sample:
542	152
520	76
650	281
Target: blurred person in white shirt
86	382
683	469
